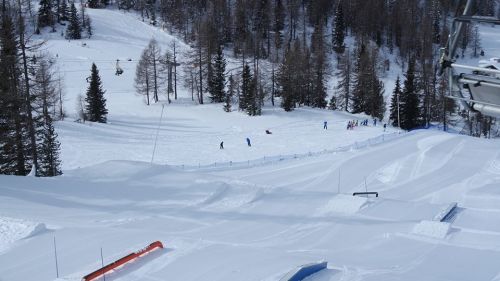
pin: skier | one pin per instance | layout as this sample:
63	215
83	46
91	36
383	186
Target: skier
248	142
325	125
374	122
221	145
268	132
385	126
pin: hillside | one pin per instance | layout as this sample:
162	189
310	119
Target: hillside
244	213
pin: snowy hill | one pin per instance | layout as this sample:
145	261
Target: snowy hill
222	220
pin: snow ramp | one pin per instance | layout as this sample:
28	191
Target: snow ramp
304	271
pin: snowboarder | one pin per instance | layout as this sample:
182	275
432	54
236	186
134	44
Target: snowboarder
248	142
221	145
325	125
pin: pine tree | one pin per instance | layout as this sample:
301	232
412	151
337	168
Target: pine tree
50	164
318	88
74	30
45	98
94	4
396	95
96	103
63	11
45	14
409	107
279	23
344	85
339	30
248	99
14	141
361	81
228	100
218	79
286	81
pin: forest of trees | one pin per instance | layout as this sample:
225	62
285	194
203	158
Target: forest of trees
290	48
29	101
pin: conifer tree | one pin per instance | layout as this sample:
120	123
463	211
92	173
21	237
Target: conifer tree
339	30
396	95
228	99
344	84
218	79
45	14
74	30
409	107
279	23
49	147
45	98
319	65
14	141
63	11
361	80
248	100
96	103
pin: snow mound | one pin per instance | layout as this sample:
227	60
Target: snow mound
12	230
434	229
343	204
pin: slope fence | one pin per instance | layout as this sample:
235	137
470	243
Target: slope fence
268	160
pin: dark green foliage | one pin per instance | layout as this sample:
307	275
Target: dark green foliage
368	89
45	14
49	147
74	30
396	95
409	102
248	101
96	103
339	30
63	11
217	80
14	141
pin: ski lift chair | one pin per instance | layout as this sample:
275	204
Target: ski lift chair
478	89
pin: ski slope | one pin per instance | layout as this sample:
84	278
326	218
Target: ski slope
258	222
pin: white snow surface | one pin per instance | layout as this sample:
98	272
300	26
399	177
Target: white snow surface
433	229
244	213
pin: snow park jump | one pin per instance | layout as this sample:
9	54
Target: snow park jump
121	262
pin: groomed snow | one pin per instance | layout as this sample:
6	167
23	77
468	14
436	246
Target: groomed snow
244	222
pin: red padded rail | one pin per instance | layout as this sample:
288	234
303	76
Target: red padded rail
112	266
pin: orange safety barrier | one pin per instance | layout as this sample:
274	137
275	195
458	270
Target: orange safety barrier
126	259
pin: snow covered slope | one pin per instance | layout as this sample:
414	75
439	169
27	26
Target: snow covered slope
222	223
258	223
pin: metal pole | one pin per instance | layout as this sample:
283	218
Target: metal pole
102	265
157	132
366	188
338	185
55	256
